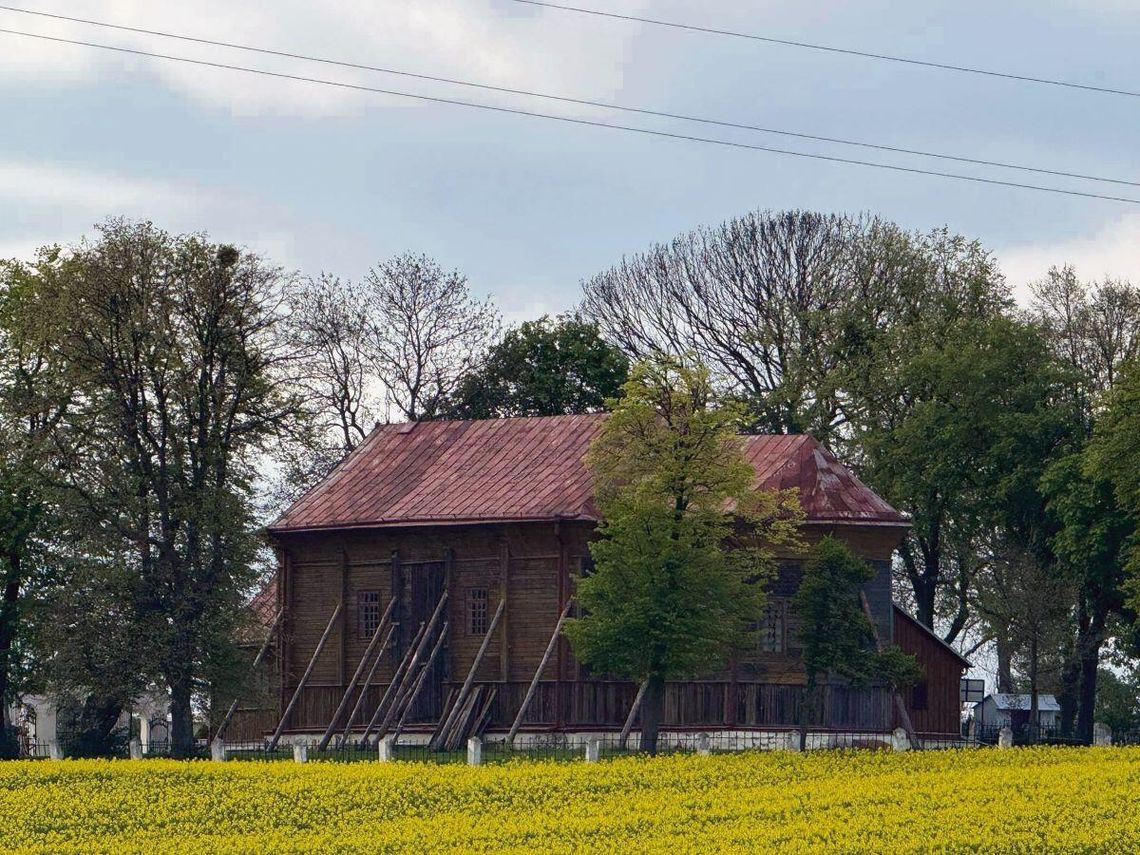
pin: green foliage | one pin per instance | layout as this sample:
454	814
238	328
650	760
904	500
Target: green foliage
957	431
678	579
836	635
167	348
546	367
1113	461
1118	700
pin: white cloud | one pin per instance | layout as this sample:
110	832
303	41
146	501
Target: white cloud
25	186
481	40
1112	251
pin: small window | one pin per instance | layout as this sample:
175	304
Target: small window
772	627
367	613
477	611
918	697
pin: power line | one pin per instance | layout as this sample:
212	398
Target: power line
579	101
574	121
942	66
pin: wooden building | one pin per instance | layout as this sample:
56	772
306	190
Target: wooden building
466	536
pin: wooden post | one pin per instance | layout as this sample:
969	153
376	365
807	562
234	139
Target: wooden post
394	686
221	731
397	578
563	601
538	675
305	677
367	682
462	696
504	596
904	716
421	681
628	726
284	598
410	674
368	651
341	660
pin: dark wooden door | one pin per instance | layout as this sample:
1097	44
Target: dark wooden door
423	586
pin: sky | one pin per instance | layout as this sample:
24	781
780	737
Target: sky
323	179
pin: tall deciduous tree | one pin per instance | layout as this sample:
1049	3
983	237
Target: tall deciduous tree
426	330
32	398
170	344
943	431
685	545
547	367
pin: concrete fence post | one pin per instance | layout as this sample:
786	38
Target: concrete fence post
135	748
593	750
703	741
899	740
1102	734
1005	737
300	753
217	750
474	751
386	749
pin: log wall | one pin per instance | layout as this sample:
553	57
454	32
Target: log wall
533	566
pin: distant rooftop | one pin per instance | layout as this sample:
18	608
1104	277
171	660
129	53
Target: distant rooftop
521	469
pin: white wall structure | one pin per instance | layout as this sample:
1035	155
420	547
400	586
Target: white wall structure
1010	710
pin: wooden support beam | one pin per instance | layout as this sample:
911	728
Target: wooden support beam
305	677
341	665
538	675
628	726
394	686
421	681
367	682
504	598
904	716
221	731
377	634
466	688
410	674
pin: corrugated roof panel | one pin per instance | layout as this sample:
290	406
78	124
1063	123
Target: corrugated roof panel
505	469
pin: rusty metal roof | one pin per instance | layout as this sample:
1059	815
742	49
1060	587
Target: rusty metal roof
500	470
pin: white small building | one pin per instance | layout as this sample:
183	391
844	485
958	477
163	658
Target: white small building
1008	710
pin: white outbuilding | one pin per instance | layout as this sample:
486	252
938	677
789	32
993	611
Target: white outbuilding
1002	709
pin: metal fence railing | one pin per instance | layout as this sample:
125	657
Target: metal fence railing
568	747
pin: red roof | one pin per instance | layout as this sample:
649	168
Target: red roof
531	469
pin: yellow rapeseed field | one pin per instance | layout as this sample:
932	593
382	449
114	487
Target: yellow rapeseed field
1022	800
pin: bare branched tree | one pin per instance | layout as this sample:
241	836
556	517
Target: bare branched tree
329	328
758	299
426	330
1094	326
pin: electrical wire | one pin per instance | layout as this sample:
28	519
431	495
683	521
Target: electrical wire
942	66
575	121
578	101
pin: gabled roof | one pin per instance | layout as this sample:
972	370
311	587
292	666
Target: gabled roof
502	470
900	612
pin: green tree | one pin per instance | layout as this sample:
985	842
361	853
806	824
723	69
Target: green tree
547	367
32	397
170	346
955	429
678	579
835	632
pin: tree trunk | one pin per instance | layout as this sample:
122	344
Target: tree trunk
1034	711
181	716
1004	665
1088	651
652	713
